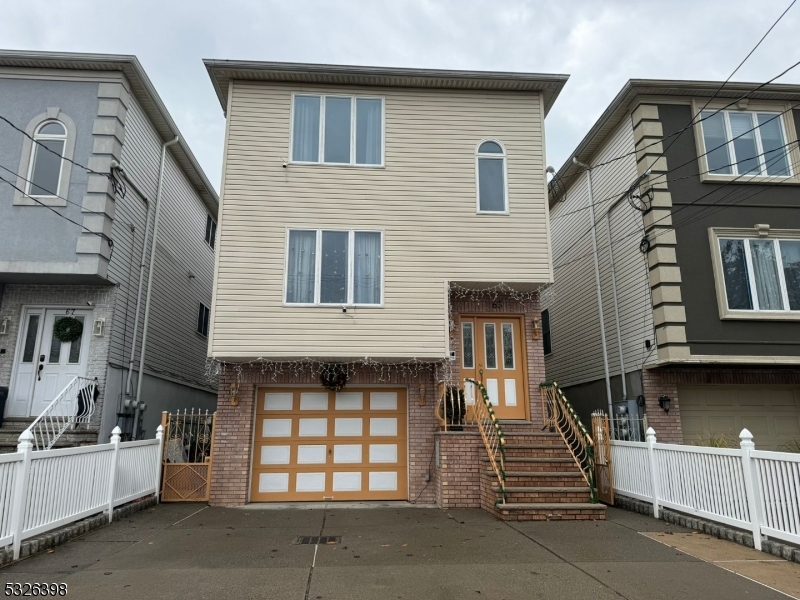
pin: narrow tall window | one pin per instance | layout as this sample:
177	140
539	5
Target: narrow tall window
46	156
367	267
491	166
202	320
467	346
490	345
546	339
211	231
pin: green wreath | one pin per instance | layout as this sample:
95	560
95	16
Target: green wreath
68	329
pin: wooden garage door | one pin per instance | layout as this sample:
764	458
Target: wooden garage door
312	444
771	413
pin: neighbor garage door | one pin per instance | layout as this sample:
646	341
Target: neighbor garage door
312	444
771	413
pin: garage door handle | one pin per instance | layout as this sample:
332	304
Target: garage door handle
329	451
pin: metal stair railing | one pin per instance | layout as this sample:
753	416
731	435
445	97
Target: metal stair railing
559	415
492	435
73	406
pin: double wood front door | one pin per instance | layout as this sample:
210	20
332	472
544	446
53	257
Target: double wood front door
493	352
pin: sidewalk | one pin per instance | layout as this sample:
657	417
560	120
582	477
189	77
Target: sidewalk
193	551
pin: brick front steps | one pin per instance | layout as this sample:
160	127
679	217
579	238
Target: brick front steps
13	427
543	483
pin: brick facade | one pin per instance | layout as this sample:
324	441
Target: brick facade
455	483
665	381
102	298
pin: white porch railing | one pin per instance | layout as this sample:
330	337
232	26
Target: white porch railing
40	491
745	488
74	405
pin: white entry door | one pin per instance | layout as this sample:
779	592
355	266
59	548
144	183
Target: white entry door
45	365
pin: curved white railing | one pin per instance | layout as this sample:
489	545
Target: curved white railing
73	406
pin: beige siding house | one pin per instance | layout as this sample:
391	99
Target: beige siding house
383	234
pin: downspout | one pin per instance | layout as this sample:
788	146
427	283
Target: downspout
596	282
150	282
616	305
142	260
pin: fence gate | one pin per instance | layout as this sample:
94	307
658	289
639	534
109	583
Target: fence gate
604	476
187	456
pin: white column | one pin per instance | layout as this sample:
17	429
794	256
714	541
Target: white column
751	486
160	438
25	446
650	436
112	480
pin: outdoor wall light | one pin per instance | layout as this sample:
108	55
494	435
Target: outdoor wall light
422	395
235	394
663	402
537	328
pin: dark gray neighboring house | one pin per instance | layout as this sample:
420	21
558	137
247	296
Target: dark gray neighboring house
699	269
73	245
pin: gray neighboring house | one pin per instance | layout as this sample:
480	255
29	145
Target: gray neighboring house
97	111
700	285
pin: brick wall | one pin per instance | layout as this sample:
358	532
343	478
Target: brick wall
233	437
102	297
458	475
665	381
534	348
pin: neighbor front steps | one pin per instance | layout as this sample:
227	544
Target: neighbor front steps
543	482
13	427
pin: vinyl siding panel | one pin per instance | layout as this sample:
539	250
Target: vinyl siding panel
174	349
424	199
574	318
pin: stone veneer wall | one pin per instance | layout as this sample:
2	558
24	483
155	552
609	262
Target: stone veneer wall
665	381
102	297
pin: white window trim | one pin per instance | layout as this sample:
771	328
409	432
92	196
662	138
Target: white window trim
214	236
503	347
504	158
318	268
789	137
208	312
26	160
759	233
321	151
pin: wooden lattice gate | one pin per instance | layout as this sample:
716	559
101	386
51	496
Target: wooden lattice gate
188	453
604	476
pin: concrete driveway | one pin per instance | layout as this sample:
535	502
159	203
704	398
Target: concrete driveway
396	552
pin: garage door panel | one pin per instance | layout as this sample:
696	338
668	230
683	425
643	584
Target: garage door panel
771	413
349	445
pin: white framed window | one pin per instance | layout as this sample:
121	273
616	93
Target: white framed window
211	231
741	142
491	177
334	267
337	129
47	152
203	317
757	276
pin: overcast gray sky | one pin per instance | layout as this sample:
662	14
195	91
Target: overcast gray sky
600	44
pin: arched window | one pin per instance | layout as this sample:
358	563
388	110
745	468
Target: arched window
44	174
491	173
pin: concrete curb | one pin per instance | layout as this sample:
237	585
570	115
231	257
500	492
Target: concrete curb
716	530
44	542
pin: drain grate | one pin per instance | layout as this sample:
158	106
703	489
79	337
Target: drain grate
318	539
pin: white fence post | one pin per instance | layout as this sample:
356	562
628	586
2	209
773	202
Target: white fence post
112	480
160	438
752	489
650	436
25	446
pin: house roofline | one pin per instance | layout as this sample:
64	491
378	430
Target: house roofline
223	71
144	91
624	102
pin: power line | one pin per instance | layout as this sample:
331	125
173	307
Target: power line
15	174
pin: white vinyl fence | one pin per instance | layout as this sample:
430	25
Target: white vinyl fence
43	490
745	488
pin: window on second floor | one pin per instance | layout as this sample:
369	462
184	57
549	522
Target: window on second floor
761	274
47	151
203	316
332	129
491	178
211	231
546	339
745	143
334	267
